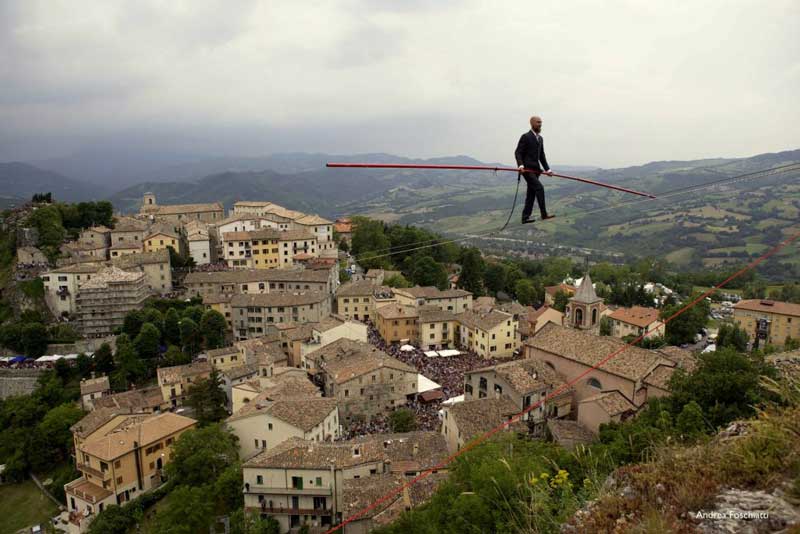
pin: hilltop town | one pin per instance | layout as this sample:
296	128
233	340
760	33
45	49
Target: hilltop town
294	370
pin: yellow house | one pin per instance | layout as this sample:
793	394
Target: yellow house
175	381
162	239
121	459
254	249
397	323
224	358
768	321
490	334
438	329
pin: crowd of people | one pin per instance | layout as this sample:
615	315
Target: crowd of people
448	371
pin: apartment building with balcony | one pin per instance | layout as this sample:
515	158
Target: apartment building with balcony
121	459
301	482
360	299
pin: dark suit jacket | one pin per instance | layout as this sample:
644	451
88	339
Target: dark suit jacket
530	152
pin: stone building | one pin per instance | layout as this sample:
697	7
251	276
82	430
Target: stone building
318	484
182	213
254	314
585	308
365	381
105	299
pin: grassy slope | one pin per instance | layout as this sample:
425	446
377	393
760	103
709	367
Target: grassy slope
23	505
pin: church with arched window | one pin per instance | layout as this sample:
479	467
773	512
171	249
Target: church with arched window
585	307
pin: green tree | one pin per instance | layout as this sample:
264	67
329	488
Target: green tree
172	328
154	317
344	275
526	292
605	326
213	326
732	336
104	359
130	368
190	336
402	420
34	339
495	277
428	272
208	399
133	323
250	523
47	221
472	271
175	356
690	422
11	337
682	328
201	455
370	244
397	280
56	435
726	385
560	301
148	342
194	312
190	510
228	488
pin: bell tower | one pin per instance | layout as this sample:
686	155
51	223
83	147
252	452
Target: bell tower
584	308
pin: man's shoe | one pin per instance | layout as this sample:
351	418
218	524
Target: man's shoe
526	220
548	217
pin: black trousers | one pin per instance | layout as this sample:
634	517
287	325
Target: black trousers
535	192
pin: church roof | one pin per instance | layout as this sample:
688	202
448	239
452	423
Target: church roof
585	293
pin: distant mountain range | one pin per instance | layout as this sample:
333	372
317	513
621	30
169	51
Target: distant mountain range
20	181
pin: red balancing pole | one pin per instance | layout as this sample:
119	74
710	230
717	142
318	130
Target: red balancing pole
480	168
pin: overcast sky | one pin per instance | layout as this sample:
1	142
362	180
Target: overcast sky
617	82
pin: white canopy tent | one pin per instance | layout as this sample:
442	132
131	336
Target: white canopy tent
453	400
425	384
407	348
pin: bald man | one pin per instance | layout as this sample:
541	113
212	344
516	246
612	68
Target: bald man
530	151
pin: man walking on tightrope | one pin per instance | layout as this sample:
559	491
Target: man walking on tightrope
530	151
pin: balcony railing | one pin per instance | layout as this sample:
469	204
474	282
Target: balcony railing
94	472
289	511
254	488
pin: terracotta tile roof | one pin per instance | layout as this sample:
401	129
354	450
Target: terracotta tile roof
569	432
514	308
99	417
685	359
129	261
302	298
296	453
637	316
176	373
475	417
345	359
483	303
659	377
241	371
135	399
359	288
151	430
328	323
78	268
296	235
483	320
129	224
358	494
633	363
769	306
430	292
564	288
397	311
217	298
434	314
175	209
525	376
311	220
256	275
612	402
111	275
215	353
95	385
303	413
126	245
